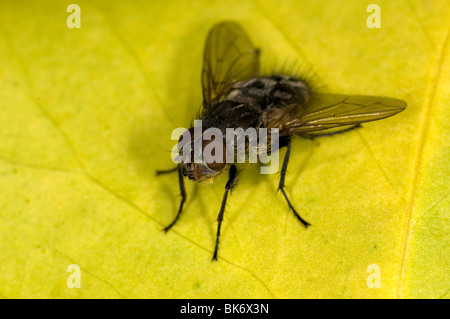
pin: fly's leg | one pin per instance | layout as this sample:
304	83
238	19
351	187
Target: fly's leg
281	186
166	171
310	137
313	136
344	130
232	181
182	193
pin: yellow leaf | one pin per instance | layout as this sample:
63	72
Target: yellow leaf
86	120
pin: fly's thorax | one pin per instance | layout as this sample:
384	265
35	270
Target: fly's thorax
233	114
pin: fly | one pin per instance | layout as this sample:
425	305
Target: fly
235	95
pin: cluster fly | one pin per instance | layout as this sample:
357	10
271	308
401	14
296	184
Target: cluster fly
235	95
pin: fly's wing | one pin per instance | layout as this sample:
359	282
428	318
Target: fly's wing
229	57
326	111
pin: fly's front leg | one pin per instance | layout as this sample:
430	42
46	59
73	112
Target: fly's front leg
281	186
232	181
166	171
182	194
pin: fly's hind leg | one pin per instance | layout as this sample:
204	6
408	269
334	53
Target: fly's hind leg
281	186
339	131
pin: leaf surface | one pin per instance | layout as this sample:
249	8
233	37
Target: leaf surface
87	116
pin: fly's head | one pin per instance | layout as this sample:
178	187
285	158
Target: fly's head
201	159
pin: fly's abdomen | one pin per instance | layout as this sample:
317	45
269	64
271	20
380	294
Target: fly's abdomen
265	93
247	102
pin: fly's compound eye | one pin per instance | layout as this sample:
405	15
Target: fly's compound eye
208	160
214	154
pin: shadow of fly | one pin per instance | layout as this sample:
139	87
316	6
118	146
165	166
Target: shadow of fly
236	96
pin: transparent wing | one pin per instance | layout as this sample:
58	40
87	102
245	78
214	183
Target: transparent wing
327	111
229	57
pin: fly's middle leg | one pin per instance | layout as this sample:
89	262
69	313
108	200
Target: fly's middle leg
232	181
281	185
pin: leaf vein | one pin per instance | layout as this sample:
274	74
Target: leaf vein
425	131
